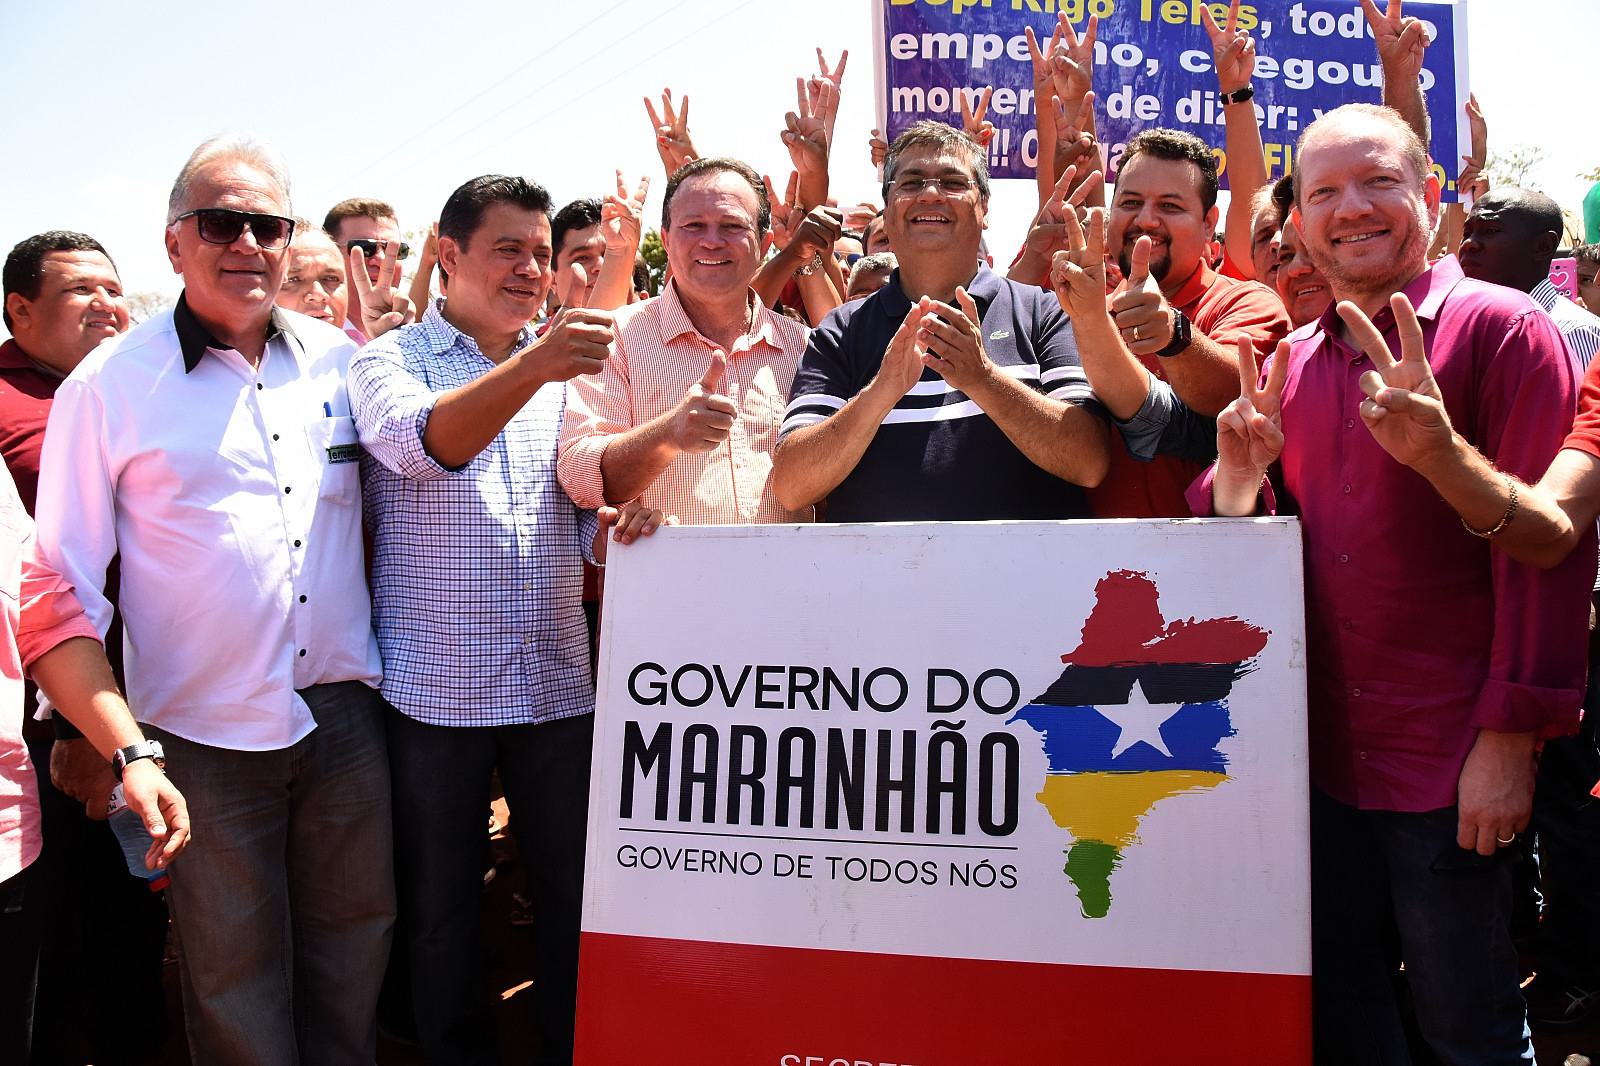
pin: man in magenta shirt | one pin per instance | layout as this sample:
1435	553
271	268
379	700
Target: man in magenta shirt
1434	665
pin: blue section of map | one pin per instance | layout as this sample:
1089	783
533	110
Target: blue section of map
1078	739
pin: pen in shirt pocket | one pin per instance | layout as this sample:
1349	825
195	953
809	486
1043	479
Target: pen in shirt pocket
327	409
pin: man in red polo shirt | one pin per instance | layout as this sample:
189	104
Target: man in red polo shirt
1177	318
100	963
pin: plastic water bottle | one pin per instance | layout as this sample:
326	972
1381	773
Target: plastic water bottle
134	838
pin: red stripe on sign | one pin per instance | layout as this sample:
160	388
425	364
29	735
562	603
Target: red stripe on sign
672	1002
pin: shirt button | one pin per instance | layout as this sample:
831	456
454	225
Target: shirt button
1363	755
288	488
302	653
527	586
1349	423
297	544
1345	623
1356	693
259	386
274	436
303	599
1347	490
1344	558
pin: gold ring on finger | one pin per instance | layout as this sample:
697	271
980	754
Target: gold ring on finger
1135	332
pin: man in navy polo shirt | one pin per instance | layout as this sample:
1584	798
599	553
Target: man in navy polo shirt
951	393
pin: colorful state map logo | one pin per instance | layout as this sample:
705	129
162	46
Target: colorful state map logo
1135	717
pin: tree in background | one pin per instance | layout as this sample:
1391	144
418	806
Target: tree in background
655	254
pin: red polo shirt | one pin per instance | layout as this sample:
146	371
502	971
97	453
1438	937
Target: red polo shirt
1224	309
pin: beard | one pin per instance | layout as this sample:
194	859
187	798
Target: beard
1160	261
1378	276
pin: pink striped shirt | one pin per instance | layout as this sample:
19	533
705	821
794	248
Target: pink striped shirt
657	356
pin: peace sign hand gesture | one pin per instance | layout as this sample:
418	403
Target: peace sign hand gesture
1078	275
382	307
1404	408
672	135
1250	431
1401	41
1232	50
622	217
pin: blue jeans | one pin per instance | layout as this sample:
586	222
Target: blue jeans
284	901
1377	871
442	777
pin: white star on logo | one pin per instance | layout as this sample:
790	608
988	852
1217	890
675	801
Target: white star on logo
1138	719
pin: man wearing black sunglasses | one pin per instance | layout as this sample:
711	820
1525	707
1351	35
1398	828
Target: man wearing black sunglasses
367	224
212	449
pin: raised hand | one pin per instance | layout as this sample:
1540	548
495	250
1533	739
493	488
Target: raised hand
1250	429
1471	183
1233	52
622	217
1075	141
703	418
1072	58
786	213
1078	274
1401	40
673	142
1404	408
817	232
383	306
973	121
1141	310
805	135
579	338
952	342
879	146
1043	63
827	99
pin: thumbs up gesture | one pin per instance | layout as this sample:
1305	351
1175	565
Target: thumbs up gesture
704	418
579	338
1142	313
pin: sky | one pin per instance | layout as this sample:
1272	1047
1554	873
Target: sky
405	100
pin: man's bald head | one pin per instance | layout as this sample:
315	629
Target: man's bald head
1510	236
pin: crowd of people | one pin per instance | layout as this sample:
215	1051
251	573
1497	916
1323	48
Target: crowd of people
338	534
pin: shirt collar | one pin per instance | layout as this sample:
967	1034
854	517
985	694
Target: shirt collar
984	287
12	357
443	336
1427	293
1545	295
675	322
194	338
1195	287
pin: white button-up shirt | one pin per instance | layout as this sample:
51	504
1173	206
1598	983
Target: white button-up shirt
233	494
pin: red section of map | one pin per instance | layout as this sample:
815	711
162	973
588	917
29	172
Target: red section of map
681	1002
1126	626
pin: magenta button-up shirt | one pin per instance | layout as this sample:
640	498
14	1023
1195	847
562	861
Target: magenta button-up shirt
1419	633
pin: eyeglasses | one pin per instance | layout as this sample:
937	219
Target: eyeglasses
370	248
949	185
219	225
847	258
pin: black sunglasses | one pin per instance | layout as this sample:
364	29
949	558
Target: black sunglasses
220	225
370	248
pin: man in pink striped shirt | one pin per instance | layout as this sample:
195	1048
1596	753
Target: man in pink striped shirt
685	413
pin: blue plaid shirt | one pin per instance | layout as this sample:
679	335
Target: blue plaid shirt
477	572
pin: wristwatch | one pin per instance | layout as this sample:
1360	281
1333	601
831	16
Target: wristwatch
145	749
1238	96
1180	335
